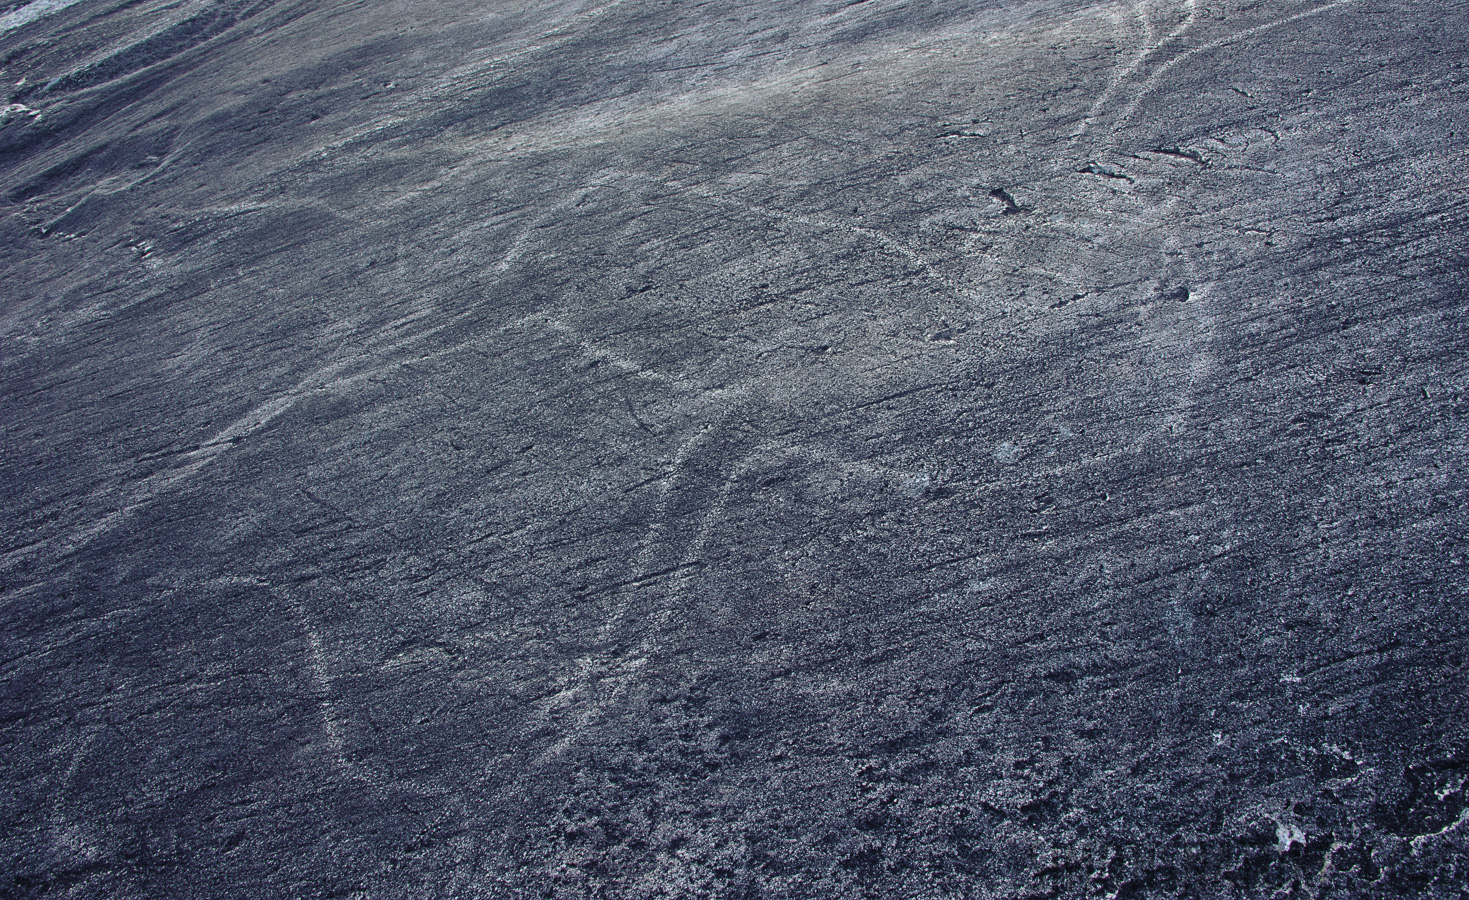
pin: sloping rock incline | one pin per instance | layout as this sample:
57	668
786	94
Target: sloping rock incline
632	449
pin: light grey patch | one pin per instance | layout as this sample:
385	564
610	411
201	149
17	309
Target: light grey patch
914	485
1287	836
1007	454
31	12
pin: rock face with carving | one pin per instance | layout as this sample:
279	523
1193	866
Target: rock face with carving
1009	448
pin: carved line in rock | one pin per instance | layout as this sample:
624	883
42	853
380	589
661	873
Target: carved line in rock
888	242
1153	79
597	666
620	670
1145	52
327	378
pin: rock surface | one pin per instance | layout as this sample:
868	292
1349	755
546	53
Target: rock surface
1013	448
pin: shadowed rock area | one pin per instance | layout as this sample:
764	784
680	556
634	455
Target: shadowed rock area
635	449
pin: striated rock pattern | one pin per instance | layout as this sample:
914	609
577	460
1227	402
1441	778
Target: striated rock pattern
635	449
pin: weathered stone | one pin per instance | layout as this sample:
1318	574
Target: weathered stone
638	449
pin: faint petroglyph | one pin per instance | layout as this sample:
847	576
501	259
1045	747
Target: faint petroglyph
333	724
889	243
602	679
382	353
140	493
331	721
596	667
66	783
595	353
1156	76
1145	51
1140	9
522	239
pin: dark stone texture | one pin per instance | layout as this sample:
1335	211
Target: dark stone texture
1000	449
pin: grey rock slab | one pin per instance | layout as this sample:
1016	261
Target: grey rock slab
637	449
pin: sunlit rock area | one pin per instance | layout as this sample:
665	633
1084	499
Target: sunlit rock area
730	449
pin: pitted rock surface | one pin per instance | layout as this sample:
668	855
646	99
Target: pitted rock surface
633	449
